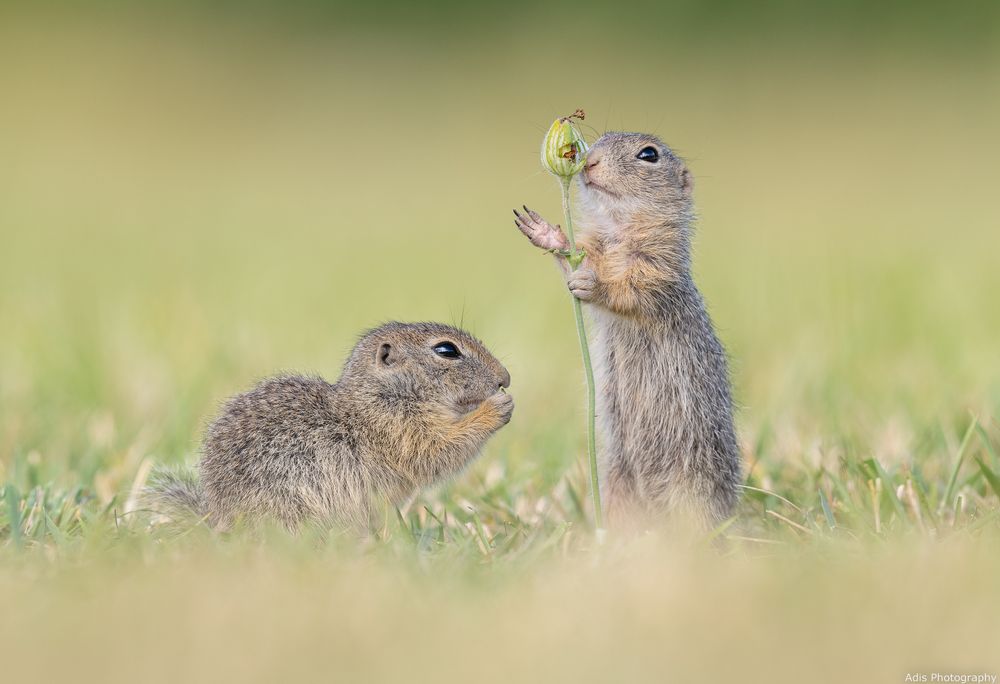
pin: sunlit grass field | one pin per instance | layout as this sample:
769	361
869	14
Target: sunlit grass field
186	207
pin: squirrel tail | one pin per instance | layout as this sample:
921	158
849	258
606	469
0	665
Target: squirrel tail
175	494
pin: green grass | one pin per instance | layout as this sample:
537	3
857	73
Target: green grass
185	209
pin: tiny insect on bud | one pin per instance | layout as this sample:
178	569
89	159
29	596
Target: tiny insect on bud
564	151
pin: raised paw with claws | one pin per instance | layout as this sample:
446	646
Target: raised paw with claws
541	233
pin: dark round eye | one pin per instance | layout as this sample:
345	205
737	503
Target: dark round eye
648	154
446	350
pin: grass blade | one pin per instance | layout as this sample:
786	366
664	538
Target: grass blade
827	512
925	505
719	530
889	488
950	491
770	493
574	497
13	498
57	535
404	525
477	526
985	439
992	478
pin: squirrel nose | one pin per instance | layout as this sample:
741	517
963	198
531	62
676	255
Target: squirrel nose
592	161
504	377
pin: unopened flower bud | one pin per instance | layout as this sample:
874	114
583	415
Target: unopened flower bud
564	151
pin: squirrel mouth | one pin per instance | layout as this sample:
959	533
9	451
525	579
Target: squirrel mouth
466	404
597	186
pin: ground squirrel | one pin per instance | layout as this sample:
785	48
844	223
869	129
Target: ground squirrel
414	404
664	400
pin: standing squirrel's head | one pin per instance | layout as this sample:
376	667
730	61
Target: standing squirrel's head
424	367
632	177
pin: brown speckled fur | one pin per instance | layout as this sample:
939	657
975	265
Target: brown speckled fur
298	449
664	399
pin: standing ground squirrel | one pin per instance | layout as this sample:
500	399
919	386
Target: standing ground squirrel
414	404
664	399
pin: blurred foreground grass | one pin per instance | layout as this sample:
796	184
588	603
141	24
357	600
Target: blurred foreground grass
184	209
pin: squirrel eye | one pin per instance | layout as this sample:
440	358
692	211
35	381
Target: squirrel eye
648	154
446	350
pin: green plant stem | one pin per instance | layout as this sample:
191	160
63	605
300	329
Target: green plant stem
581	330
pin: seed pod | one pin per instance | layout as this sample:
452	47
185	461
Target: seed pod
564	151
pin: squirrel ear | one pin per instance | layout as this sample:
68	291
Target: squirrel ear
386	356
687	182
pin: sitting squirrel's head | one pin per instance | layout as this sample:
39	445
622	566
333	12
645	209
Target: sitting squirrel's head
424	366
633	177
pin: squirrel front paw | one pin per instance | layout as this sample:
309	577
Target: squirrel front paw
502	404
541	233
582	283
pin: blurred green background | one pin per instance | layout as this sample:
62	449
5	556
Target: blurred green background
194	195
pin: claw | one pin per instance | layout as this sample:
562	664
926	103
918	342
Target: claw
539	231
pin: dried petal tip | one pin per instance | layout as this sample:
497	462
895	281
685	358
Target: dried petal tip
564	151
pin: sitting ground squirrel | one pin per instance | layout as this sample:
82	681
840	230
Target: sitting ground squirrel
414	404
664	399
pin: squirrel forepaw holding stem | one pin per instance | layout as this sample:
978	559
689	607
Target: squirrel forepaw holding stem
582	283
541	233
